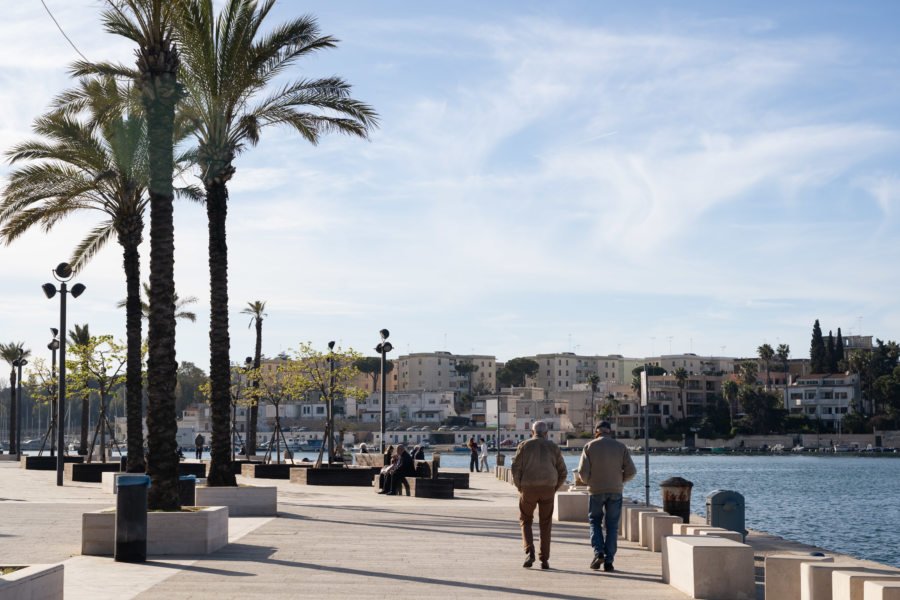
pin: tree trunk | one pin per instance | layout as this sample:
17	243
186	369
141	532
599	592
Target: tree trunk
134	413
220	471
85	421
12	412
254	406
158	65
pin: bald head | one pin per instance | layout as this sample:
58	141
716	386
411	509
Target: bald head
539	428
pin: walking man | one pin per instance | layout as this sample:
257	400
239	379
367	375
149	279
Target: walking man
605	467
538	471
198	446
484	455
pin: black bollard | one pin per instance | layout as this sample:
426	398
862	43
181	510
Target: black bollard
676	495
131	518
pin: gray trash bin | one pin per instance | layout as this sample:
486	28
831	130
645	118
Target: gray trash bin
725	509
131	518
187	485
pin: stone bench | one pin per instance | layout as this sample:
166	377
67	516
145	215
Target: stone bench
632	518
815	577
349	476
373	459
709	567
881	590
571	506
46	463
270	470
88	472
460	480
420	487
656	526
848	585
782	574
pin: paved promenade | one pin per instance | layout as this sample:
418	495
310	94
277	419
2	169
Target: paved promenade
328	542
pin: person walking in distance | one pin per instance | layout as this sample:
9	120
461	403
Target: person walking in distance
538	471
473	456
198	446
484	455
605	466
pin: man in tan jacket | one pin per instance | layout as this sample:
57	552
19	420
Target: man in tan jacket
605	467
538	471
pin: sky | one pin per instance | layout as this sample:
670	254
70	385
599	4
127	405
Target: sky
584	176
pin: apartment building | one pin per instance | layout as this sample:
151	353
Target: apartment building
436	371
415	407
564	371
821	396
692	363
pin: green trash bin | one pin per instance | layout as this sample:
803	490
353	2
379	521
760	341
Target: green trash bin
131	518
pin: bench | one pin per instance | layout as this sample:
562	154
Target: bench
88	472
782	574
271	470
848	585
420	487
709	567
46	463
460	480
348	476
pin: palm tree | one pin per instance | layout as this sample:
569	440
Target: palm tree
10	353
180	303
593	380
681	377
783	352
149	24
256	310
81	336
765	355
99	165
229	63
730	391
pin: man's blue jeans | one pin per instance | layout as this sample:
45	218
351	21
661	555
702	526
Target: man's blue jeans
606	509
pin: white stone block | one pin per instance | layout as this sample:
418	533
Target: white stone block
709	567
645	528
723	533
881	590
189	532
571	506
633	524
815	578
242	501
660	527
34	582
783	574
623	517
848	585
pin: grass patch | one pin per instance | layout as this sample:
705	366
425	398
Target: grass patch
8	570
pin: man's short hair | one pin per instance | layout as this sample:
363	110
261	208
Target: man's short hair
400	447
539	427
604	426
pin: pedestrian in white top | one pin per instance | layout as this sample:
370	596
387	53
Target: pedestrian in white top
484	455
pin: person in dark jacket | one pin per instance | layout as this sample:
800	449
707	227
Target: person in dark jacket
404	467
473	456
420	453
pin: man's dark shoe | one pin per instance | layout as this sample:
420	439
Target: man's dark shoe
608	567
390	494
383	492
597	562
529	560
545	565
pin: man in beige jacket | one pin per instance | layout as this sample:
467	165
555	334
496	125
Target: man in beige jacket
605	467
538	471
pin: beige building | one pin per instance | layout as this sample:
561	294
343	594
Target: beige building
436	371
564	371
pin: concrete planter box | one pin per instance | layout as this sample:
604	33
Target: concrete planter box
241	501
91	473
351	476
35	582
198	532
46	463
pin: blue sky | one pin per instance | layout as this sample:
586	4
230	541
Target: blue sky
585	176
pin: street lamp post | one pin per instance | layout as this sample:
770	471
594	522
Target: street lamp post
62	273
248	364
19	363
382	349
330	402
53	346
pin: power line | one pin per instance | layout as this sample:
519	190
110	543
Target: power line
71	43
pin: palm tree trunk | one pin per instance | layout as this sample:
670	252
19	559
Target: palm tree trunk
134	414
85	421
254	407
220	471
158	64
12	412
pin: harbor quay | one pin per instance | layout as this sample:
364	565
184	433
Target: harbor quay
339	542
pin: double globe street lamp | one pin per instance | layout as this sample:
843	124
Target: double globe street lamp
18	364
382	349
62	273
53	346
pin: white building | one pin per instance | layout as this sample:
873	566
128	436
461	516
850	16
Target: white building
415	407
826	397
436	371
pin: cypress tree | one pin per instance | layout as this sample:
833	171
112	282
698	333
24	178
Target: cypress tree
817	350
839	348
830	360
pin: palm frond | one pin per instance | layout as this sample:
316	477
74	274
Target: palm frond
91	244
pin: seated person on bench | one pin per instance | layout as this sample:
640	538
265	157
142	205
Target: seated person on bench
404	467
